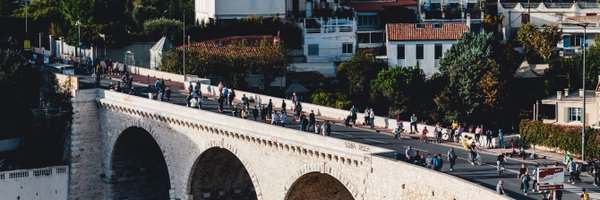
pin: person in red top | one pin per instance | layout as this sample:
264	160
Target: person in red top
424	136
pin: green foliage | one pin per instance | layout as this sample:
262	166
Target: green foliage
357	74
142	13
477	76
399	86
20	83
572	68
567	138
156	28
231	61
539	42
338	100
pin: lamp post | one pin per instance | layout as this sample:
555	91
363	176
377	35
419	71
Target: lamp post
184	46
584	25
78	23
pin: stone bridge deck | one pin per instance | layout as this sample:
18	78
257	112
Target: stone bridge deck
122	144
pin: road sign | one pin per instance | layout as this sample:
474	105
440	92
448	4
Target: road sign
550	187
550	175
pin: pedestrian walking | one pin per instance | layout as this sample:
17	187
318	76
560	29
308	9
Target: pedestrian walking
283	106
438	162
572	170
353	112
311	119
283	119
263	114
255	113
270	108
317	128
478	132
452	158
245	100
488	138
501	138
596	173
525	183
303	122
366	116
226	94
424	134
409	153
438	133
413	123
231	97
500	187
372	118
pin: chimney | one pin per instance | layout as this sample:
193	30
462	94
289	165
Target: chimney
566	92
469	22
558	95
581	93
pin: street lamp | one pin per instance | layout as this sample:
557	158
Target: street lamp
103	36
78	23
184	47
584	25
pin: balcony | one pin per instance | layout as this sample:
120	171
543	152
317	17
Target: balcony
324	26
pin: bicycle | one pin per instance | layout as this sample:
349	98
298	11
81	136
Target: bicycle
398	133
500	168
475	161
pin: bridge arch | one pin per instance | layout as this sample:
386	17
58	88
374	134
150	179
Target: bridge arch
318	186
138	168
218	173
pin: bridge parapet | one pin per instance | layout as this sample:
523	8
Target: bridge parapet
241	129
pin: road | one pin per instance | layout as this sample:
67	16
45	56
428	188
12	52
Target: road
484	175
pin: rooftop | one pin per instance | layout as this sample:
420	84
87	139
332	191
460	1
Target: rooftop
425	31
374	6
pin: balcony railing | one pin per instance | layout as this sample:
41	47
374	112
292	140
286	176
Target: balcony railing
558	5
588	5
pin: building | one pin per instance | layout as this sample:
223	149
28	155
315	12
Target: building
572	33
371	17
299	9
449	9
565	108
326	43
236	9
516	14
421	44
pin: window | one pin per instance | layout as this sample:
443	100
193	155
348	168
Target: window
524	18
574	114
313	49
400	52
419	51
419	25
438	51
438	26
347	48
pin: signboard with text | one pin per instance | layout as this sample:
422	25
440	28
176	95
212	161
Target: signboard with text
550	175
550	187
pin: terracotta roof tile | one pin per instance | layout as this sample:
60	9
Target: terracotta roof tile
425	31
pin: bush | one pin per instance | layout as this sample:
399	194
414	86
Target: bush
156	28
564	137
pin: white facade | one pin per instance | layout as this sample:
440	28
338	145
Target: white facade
49	183
429	63
329	41
234	9
542	13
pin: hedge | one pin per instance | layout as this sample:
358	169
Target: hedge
564	137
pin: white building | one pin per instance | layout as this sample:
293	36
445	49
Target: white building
326	43
235	9
421	44
572	34
515	14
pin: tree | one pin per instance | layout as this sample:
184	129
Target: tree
157	28
20	83
477	74
45	12
399	86
357	74
539	42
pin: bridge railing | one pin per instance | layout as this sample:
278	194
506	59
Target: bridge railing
339	114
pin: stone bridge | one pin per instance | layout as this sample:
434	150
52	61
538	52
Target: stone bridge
126	147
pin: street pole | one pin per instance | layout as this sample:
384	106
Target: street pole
78	23
26	11
583	116
184	46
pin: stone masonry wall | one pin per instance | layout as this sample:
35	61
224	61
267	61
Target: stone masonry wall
274	157
85	180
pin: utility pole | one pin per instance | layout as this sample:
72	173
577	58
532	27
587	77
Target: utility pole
78	23
528	11
184	46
